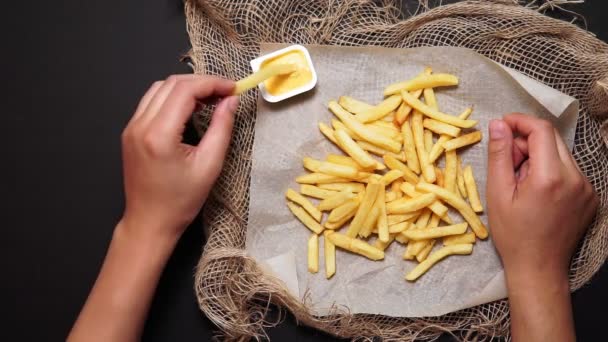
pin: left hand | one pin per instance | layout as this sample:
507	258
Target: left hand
166	181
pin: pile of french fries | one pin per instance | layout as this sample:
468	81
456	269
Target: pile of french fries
387	186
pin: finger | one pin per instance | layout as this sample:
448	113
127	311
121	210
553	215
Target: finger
145	100
542	148
212	148
155	104
523	170
564	153
182	100
500	162
520	151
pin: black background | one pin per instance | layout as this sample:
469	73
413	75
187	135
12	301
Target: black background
73	72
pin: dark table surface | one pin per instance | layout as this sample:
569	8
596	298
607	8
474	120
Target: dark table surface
76	70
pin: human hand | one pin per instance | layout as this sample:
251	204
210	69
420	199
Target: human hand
166	181
539	203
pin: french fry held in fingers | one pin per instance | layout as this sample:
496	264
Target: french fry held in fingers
350	147
305	218
421	82
459	239
304	203
356	246
434	233
353	105
382	109
463	249
462	141
469	182
329	251
336	200
262	75
313	253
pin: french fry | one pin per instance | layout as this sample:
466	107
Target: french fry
390	118
459	239
462	141
382	219
401	239
350	186
304	203
319	178
356	246
428	141
460	180
381	110
451	171
387	125
313	253
369	224
398	218
438	147
305	218
366	177
410	147
426	168
391	133
391	196
435	114
440	127
439	177
424	253
262	75
404	110
327	132
337	124
396	186
403	206
458	204
421	82
345	211
391	176
415	247
399	227
421	268
434	233
469	182
344	160
350	147
353	105
394	164
364	132
436	207
384	245
371	193
316	192
331	169
329	251
423	220
340	223
379	151
336	200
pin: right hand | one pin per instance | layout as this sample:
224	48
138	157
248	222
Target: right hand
539	203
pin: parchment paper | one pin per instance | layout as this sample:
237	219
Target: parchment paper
286	132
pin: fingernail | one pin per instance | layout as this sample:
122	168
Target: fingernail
498	129
233	103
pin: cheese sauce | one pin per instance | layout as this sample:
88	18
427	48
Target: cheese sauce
281	84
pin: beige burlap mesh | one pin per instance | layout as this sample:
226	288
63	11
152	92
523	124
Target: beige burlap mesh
225	34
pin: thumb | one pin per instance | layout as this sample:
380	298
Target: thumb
501	174
212	148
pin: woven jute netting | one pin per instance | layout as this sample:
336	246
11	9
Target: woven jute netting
225	35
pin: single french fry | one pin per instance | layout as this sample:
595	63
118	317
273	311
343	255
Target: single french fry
391	176
356	246
304	203
460	179
403	206
404	110
439	177
424	253
366	177
390	117
320	178
415	247
436	207
353	105
458	204
371	193
331	169
469	182
382	219
434	221
345	160
370	222
391	196
398	218
462	141
338	224
426	168
391	133
399	227
401	239
384	245
313	253
312	165
420	269
394	164
423	220
396	186
451	171
316	192
350	186
409	147
350	147
305	218
336	200
345	211
327	132
459	239
337	124
434	233
364	132
381	110
438	147
428	141
329	251
440	127
262	75
387	125
421	82
435	114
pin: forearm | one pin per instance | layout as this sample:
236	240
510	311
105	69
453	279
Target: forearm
118	304
540	305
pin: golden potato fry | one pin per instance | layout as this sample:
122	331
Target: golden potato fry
438	147
350	186
459	239
401	239
327	132
345	211
391	196
434	233
262	75
440	128
370	223
394	219
356	246
336	200
435	114
439	175
423	220
403	206
313	253
311	164
396	186
366	177
331	169
338	224
391	176
353	105
384	245
424	253
420	269
463	140
350	147
394	164
304	203
371	193
388	125
316	192
393	134
436	207
427	169
399	227
469	182
409	147
364	132
344	160
381	110
404	110
329	250
382	219
460	180
428	141
319	178
421	82
458	204
337	124
305	218
451	171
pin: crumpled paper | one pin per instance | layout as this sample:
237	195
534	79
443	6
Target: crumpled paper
286	132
